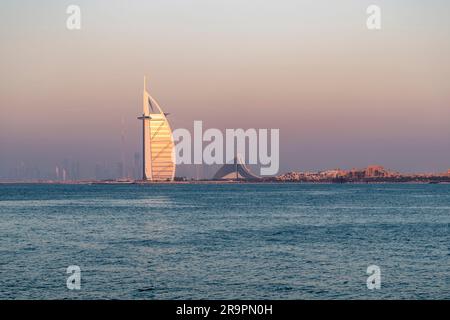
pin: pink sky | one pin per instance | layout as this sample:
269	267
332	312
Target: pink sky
341	95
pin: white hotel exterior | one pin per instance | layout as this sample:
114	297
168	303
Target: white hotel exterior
158	145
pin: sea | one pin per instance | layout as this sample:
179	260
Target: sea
225	241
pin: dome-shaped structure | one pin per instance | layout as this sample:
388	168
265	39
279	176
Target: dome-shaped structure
235	171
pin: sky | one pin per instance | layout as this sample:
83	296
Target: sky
342	96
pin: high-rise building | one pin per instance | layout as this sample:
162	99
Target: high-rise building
137	171
158	146
120	170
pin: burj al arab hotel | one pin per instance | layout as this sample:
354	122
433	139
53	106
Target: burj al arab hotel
158	147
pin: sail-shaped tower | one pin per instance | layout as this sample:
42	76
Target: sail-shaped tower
158	147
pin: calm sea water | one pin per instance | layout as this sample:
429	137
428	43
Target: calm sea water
231	241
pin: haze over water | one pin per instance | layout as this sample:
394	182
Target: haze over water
229	241
341	95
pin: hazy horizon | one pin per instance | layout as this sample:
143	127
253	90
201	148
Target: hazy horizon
342	96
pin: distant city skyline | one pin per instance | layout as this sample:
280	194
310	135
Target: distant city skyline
344	96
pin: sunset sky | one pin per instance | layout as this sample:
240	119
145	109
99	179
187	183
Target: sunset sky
341	95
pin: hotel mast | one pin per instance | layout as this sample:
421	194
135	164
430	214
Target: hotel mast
157	144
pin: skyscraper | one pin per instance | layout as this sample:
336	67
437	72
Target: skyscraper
137	164
158	146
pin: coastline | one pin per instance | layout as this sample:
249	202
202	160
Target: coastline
216	182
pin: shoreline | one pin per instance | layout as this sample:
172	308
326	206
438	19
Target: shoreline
214	182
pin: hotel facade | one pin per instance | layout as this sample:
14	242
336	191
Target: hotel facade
157	141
